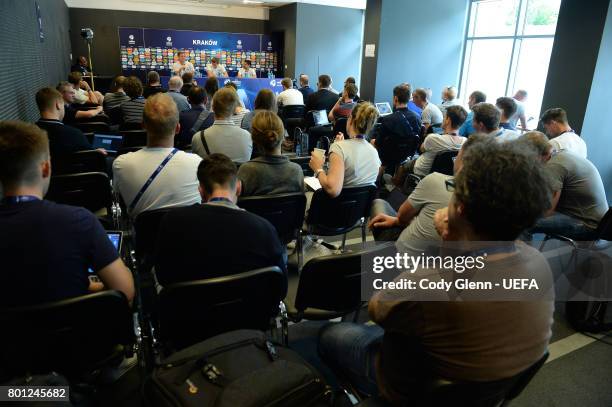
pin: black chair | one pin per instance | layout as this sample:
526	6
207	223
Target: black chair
73	336
292	112
329	287
292	124
304	163
444	162
91	190
130	126
603	233
441	392
114	115
79	162
340	126
146	228
134	138
337	216
93	127
192	311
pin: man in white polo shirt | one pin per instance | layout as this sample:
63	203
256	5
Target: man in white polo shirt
561	135
289	96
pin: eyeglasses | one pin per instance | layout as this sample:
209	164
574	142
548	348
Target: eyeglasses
450	185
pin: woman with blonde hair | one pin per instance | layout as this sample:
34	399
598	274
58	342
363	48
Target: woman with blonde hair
270	173
353	161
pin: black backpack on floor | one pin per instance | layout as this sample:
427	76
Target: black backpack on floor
236	369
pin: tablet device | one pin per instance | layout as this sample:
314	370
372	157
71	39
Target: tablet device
320	118
384	108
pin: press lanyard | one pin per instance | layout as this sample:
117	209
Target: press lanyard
20	199
151	178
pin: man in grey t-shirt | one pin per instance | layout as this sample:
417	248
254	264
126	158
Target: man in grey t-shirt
582	202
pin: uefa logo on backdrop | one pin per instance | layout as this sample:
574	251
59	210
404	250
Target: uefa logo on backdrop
131	39
273	82
269	45
239	44
168	41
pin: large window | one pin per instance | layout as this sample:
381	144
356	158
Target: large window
507	48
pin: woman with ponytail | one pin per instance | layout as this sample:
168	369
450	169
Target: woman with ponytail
270	173
353	161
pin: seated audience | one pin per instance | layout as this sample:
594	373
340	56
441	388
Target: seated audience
175	184
174	91
265	100
343	107
246	71
47	248
449	98
248	242
348	80
73	115
196	119
224	136
304	88
270	173
431	116
435	144
289	96
240	111
216	70
352	161
403	126
116	96
561	135
188	83
323	98
412	226
153	85
508	107
519	98
475	98
211	86
459	340
486	120
131	111
82	91
63	139
579	200
81	65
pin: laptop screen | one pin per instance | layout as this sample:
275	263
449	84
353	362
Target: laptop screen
320	118
109	142
384	108
116	239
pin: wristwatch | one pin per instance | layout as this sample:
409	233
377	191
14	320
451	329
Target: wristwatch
317	172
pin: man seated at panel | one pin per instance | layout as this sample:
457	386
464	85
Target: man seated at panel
217	238
323	98
246	71
561	135
460	340
157	176
215	69
224	136
475	98
271	172
508	107
175	85
289	96
196	119
182	65
73	115
431	115
47	248
486	120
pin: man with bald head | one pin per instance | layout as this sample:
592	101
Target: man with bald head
175	84
304	88
157	176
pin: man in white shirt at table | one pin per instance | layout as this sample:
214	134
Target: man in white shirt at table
246	71
561	135
214	69
182	65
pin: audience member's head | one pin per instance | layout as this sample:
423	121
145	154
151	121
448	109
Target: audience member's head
350	79
449	93
497	208
211	86
133	87
471	141
350	91
160	119
555	122
224	103
24	159
117	84
362	119
401	95
507	106
476	97
539	143
231	85
75	79
267	131
453	119
521	95
187	77
218	177
182	56
265	100
304	80
287	83
153	78
486	117
197	96
83	61
175	83
67	91
420	97
50	104
325	82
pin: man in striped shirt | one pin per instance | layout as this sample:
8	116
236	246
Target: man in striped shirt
131	111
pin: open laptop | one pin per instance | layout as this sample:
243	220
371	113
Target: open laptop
116	238
384	108
320	118
109	142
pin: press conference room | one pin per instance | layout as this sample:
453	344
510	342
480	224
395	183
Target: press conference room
240	203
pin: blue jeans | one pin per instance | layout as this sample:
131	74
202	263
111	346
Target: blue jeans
350	350
564	225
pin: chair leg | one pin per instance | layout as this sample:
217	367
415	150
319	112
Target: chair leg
363	232
343	243
300	251
284	323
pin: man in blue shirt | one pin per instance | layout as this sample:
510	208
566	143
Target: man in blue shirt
189	118
304	88
467	129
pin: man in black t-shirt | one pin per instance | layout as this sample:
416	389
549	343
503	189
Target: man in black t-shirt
73	115
46	248
217	238
323	98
